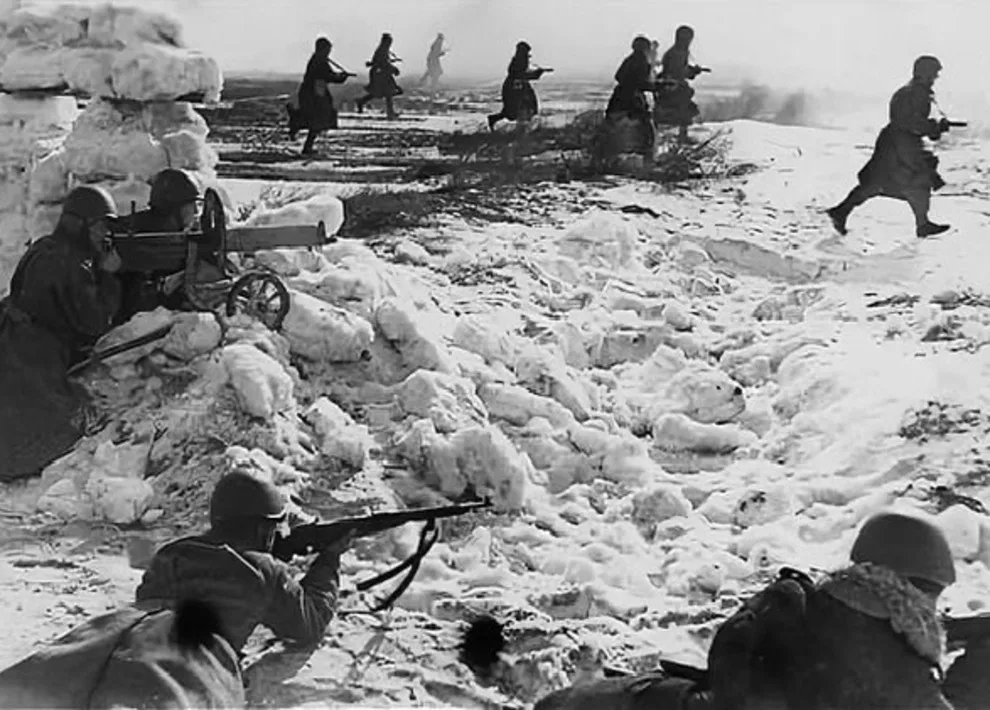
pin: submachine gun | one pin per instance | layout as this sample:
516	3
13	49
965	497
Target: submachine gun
313	537
945	124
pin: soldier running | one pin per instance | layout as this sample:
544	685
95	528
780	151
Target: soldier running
674	95
634	78
433	68
63	297
519	102
901	168
315	111
381	78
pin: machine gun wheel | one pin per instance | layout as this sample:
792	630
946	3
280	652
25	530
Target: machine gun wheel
259	295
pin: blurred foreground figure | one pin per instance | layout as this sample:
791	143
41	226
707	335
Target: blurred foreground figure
901	168
674	97
63	297
381	78
519	102
315	110
433	69
174	206
131	658
634	78
231	567
866	636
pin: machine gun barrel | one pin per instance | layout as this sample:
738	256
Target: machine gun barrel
956	124
317	536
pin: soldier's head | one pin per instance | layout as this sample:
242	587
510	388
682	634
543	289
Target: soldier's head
641	44
926	69
88	213
910	546
323	47
523	48
386	39
175	194
247	511
439	35
683	35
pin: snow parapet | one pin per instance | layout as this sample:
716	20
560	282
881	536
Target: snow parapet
134	65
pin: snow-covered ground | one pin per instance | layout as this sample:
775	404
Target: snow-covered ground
666	408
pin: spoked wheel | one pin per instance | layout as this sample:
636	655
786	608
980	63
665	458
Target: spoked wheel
259	295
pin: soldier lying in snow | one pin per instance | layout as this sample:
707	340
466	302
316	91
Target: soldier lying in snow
867	636
63	296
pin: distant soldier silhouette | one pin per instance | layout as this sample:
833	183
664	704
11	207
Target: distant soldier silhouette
381	77
519	102
675	105
433	68
901	168
316	111
634	78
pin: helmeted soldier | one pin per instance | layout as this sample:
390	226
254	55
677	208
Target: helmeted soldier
63	296
866	636
634	78
519	102
174	205
674	94
900	167
231	567
381	77
315	110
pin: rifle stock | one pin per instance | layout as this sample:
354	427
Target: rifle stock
318	536
964	629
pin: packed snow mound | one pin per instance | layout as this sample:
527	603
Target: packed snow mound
328	209
104	51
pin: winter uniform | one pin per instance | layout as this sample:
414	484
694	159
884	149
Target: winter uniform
433	68
519	102
901	167
381	77
248	587
675	104
867	636
60	303
316	111
634	78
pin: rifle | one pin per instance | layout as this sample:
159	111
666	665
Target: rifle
317	536
961	630
945	124
338	68
101	355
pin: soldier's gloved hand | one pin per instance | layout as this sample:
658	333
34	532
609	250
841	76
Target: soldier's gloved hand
110	261
935	129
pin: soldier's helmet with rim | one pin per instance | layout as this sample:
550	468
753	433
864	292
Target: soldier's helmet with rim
90	203
926	64
172	188
907	544
240	496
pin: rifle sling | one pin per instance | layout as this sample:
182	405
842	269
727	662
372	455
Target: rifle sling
426	542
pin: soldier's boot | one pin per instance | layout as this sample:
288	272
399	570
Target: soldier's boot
361	102
308	145
838	215
390	113
493	119
920	202
930	229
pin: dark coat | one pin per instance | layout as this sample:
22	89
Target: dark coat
519	100
126	658
247	588
381	76
900	165
633	79
675	96
59	304
316	108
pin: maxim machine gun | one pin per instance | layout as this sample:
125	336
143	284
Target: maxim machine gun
191	269
313	537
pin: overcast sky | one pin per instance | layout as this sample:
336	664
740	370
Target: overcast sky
845	44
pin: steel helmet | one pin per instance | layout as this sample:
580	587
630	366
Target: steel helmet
240	495
641	44
523	47
172	188
90	203
907	544
926	64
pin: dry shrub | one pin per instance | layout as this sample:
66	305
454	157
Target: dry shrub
371	212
